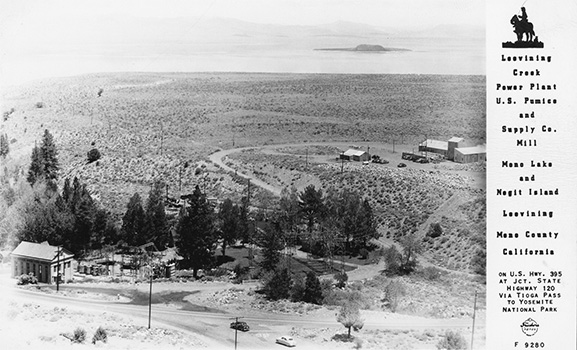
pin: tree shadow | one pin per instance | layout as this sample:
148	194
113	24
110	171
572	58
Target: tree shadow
343	337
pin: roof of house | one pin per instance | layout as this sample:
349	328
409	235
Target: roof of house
436	144
41	251
479	149
456	139
354	152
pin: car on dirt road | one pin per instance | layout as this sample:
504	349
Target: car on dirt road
239	325
402	165
286	341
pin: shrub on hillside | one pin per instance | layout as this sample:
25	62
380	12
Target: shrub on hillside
341	279
27	279
93	155
394	292
100	335
479	262
431	273
392	259
79	335
452	341
435	230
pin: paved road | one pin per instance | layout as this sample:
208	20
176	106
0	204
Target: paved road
214	327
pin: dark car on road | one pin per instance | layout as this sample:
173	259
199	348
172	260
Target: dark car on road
239	325
402	165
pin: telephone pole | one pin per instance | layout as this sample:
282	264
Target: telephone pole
474	314
58	268
236	330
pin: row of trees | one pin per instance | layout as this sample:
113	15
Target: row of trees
70	218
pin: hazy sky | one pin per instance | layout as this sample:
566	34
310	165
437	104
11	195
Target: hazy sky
403	13
32	29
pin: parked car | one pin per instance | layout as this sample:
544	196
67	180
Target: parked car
286	341
402	165
239	325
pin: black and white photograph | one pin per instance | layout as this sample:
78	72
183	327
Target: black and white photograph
244	174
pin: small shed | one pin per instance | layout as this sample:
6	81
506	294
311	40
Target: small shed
356	155
43	260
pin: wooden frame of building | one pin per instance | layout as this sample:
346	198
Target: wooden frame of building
44	261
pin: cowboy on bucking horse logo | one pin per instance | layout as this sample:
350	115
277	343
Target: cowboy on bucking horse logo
523	28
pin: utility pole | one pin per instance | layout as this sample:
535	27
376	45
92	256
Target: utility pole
233	130
150	296
161	137
236	331
248	192
58	268
474	314
342	164
393	145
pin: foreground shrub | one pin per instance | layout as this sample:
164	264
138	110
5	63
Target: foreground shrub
452	341
100	335
79	335
27	279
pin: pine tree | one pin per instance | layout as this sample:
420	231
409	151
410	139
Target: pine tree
35	172
279	285
311	206
132	231
271	241
367	226
49	155
313	291
197	233
156	227
228	217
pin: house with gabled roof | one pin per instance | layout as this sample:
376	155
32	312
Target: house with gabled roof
43	260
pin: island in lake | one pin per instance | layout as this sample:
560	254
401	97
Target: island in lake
365	48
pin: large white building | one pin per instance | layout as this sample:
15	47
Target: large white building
455	150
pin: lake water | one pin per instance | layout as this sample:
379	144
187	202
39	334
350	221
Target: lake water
426	56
